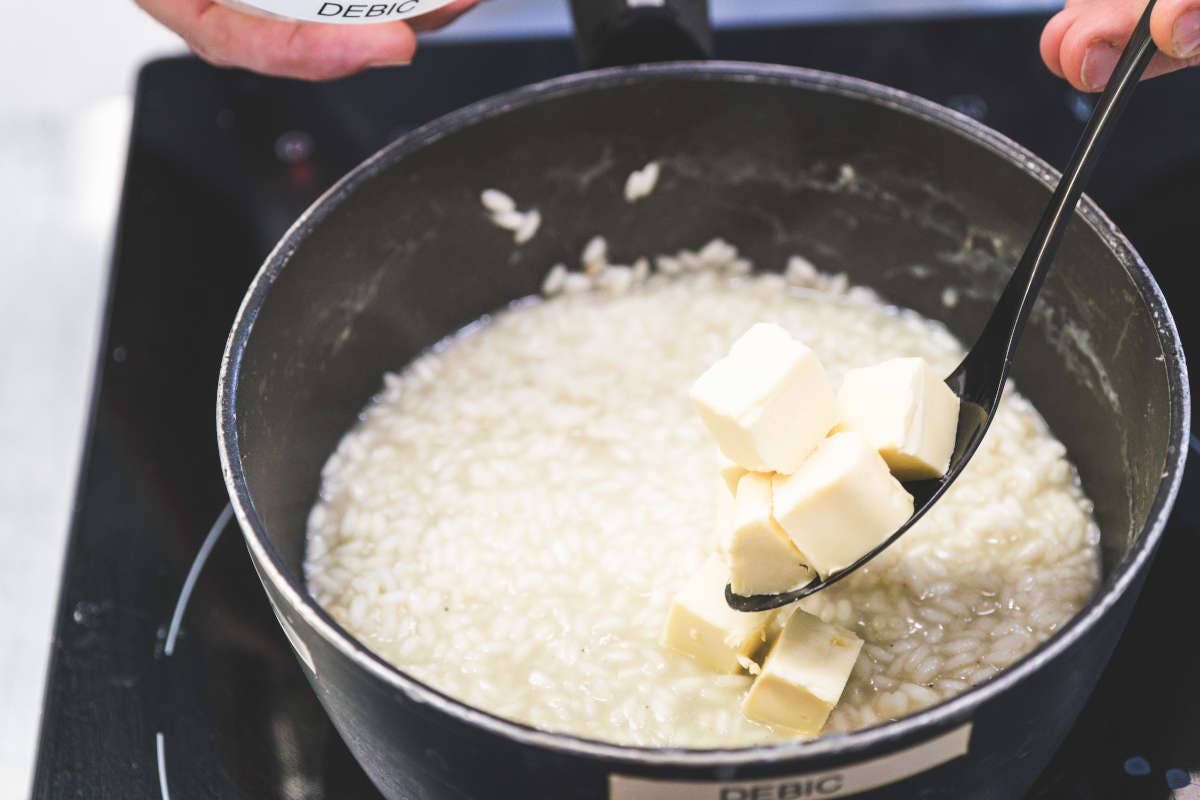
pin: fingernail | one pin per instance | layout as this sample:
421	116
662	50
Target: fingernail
1185	38
1098	64
385	62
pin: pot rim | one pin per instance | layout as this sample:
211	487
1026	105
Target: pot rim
938	717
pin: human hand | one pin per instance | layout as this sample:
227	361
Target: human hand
316	51
1083	41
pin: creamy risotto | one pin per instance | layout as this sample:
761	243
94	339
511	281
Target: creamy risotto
512	515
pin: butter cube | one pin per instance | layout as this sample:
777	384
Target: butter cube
803	676
731	472
722	516
840	503
703	626
768	402
907	413
762	559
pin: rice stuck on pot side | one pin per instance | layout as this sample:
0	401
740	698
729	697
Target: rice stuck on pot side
514	512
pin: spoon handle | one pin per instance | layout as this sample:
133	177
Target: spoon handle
1000	335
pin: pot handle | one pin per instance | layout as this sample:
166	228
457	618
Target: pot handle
612	33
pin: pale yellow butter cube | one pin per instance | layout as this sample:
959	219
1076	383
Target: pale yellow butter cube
841	503
762	559
768	402
803	676
906	411
722	516
701	624
731	472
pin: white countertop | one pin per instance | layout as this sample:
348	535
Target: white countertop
64	114
65	93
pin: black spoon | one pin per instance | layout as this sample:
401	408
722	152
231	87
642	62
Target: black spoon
979	379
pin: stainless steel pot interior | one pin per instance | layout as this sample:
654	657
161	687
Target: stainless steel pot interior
397	255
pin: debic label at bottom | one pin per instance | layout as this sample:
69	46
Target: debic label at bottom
345	12
840	782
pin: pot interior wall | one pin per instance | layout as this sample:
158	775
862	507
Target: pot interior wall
409	257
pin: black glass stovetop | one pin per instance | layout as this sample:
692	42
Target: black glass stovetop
169	675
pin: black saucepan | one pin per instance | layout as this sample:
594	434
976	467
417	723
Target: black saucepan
399	254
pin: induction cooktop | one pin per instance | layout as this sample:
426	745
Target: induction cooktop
169	676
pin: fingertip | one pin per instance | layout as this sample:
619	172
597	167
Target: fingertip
324	52
1092	45
1051	41
1175	26
1071	55
385	44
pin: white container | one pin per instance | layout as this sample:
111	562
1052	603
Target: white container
339	12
